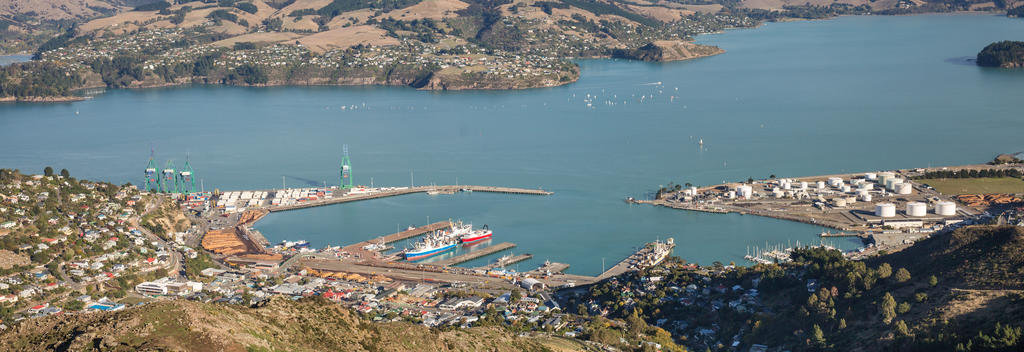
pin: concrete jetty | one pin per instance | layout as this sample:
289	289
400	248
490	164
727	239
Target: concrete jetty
506	261
407	190
548	268
401	235
648	255
474	254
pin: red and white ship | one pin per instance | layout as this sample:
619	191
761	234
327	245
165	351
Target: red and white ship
476	235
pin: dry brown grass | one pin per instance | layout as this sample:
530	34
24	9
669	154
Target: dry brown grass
305	24
53	9
778	4
663	14
118	20
262	37
303	4
10	259
434	9
341	38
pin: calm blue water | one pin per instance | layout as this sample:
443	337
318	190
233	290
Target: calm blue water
10	59
790	99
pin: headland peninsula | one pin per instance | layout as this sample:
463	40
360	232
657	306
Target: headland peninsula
424	44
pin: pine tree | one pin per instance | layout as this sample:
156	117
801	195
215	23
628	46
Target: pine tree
902	275
884	270
888	308
901	328
817	336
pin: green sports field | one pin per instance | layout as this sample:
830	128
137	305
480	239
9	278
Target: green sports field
955	186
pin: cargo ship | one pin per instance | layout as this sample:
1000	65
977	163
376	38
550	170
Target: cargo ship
477	235
431	245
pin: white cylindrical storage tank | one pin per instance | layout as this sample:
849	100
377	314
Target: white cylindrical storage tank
845	188
884	176
917	209
871	176
945	208
835	181
857	181
904	188
821	185
839	202
730	194
803	185
693	190
867	186
865	197
885	210
786	184
744	191
890	184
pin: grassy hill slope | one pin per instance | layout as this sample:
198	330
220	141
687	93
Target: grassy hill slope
281	325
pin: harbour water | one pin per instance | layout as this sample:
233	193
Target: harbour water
10	59
790	99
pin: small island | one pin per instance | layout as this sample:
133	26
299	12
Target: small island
1005	54
667	50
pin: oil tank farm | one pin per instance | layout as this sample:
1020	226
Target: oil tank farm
945	208
885	210
917	209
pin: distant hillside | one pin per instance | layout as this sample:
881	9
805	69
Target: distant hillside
281	325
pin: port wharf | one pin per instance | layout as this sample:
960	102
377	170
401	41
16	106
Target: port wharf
366	257
475	254
506	261
649	255
550	273
397	191
405	234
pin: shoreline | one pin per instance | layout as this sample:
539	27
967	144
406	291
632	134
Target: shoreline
43	99
854	219
437	83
